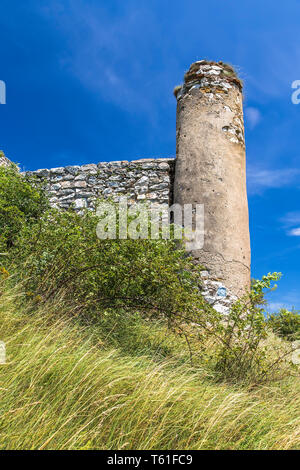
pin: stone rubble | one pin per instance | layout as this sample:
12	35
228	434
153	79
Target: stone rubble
216	294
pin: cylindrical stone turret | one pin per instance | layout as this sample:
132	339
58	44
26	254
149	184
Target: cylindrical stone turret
210	169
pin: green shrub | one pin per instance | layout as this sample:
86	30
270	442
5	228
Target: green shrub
62	255
285	324
237	347
243	354
22	200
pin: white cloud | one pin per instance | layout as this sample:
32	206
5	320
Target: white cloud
259	179
275	306
295	232
290	222
283	299
291	219
253	117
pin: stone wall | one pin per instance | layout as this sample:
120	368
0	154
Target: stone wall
3	160
139	180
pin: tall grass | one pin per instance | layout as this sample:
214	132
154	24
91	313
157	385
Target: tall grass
66	387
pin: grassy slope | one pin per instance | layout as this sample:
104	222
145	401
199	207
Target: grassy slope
66	387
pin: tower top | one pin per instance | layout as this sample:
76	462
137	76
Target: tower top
209	75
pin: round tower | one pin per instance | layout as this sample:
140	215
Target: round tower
210	168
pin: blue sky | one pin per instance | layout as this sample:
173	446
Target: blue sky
92	80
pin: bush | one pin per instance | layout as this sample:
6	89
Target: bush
285	324
62	255
22	201
243	354
237	346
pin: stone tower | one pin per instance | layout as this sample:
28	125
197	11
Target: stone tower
210	168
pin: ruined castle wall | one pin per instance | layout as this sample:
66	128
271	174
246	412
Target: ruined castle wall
210	170
139	180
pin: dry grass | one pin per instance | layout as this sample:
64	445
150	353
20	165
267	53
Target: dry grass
65	388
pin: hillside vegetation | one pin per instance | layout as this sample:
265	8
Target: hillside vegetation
67	386
110	344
